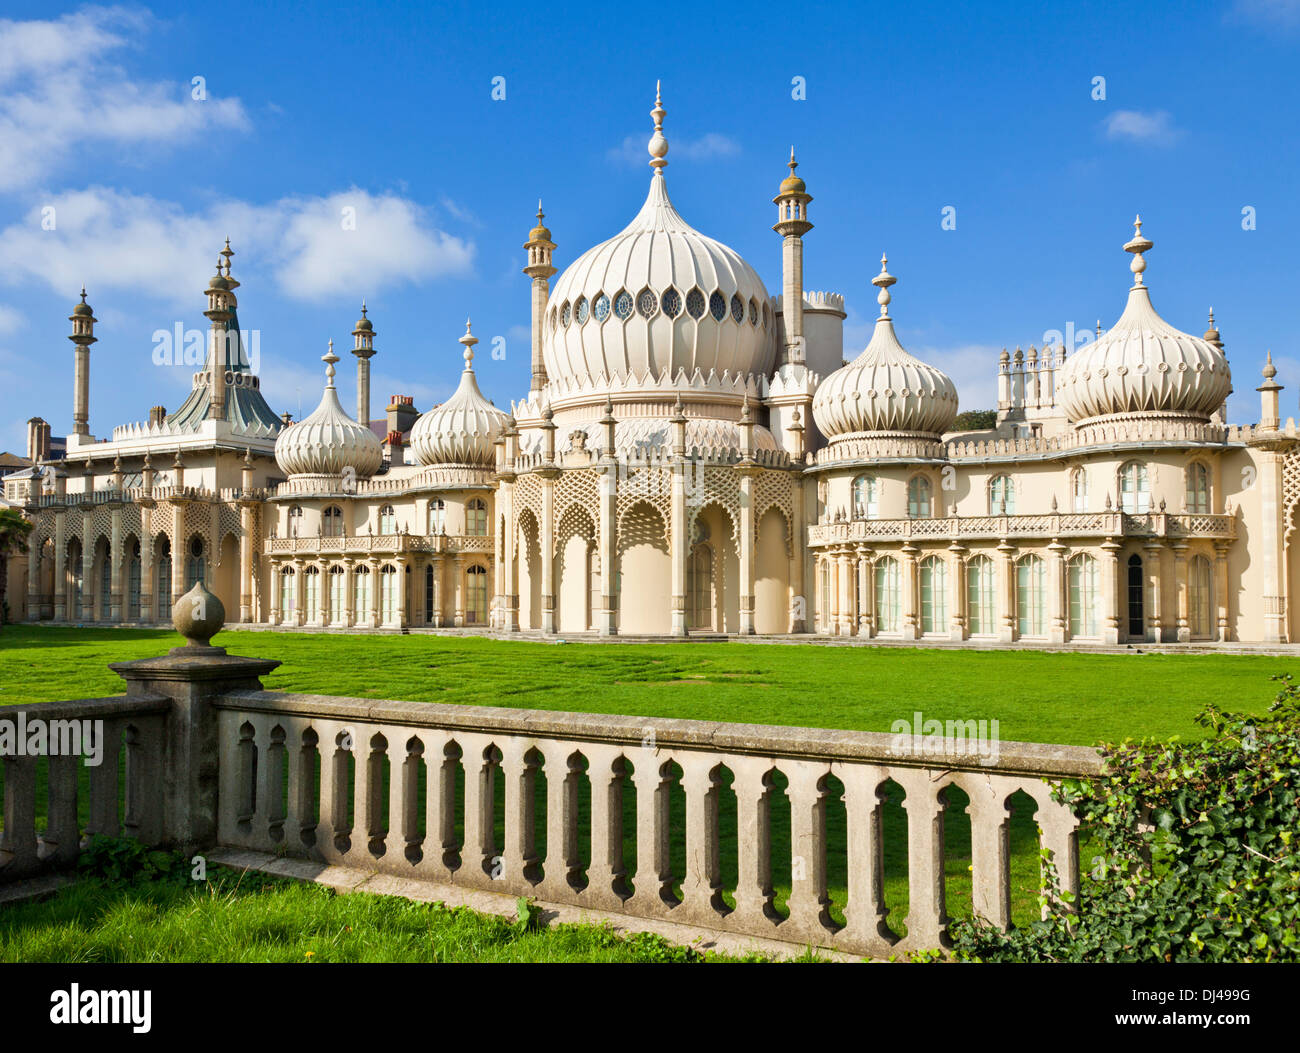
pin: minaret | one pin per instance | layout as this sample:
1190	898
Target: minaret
83	335
363	346
792	224
1212	337
221	303
540	247
1270	412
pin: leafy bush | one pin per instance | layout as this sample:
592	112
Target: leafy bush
122	861
975	420
1200	851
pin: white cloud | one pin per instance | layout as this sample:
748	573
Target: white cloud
1270	13
59	92
10	320
632	150
1135	126
112	239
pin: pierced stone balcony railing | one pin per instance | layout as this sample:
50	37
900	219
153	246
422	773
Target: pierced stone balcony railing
1062	525
377	544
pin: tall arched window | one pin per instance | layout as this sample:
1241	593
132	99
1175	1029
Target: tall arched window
1031	596
476	522
389	594
75	584
387	520
981	612
133	584
362	590
887	595
1198	488
824	592
1134	488
437	516
195	564
476	595
1078	490
338	595
934	595
163	582
311	593
430	596
106	585
1085	596
332	521
288	594
699	587
295	520
1200	614
864	497
918	497
1002	496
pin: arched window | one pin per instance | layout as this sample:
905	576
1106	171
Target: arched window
389	594
362	589
934	595
980	609
476	595
437	516
1085	596
338	595
1031	595
1200	614
1078	490
430	595
918	497
888	595
106	585
1002	496
295	520
288	595
1136	598
864	497
699	586
387	520
311	593
133	585
195	564
1134	489
163	582
824	592
332	521
1198	488
476	522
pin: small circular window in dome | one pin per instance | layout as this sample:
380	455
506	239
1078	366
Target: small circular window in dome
601	307
753	313
695	303
737	309
646	303
580	310
564	314
672	303
623	305
718	306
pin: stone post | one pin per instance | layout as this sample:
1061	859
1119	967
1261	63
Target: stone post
1221	588
1111	595
192	677
1056	598
1182	626
1006	592
1155	592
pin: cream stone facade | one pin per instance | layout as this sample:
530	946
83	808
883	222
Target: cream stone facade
694	456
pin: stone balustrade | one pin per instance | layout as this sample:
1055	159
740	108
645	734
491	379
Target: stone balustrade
378	544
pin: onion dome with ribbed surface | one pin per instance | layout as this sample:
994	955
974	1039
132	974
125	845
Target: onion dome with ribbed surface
463	429
327	441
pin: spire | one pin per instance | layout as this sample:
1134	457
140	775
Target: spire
1137	246
658	145
329	358
883	281
469	340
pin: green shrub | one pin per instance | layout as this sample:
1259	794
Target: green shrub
1200	859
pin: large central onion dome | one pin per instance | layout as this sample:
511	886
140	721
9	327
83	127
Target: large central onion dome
657	298
328	441
1144	367
463	429
885	391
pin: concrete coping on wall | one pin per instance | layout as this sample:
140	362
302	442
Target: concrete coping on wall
819	744
90	708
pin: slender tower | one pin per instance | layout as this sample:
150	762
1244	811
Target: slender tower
221	307
792	224
83	335
540	247
363	346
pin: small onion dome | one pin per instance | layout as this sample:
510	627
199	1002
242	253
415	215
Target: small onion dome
363	323
885	390
792	184
218	281
1212	333
464	429
1143	365
327	441
82	308
540	232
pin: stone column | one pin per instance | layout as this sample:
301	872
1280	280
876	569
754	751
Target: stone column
1221	589
848	619
747	550
61	565
300	592
1272	577
911	594
178	551
276	615
1183	626
459	570
957	591
798	554
147	610
1154	592
33	578
375	589
678	544
608	624
1006	592
437	594
116	560
862	578
349	591
1111	594
245	562
547	554
1056	598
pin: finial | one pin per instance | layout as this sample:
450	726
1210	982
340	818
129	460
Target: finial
1138	245
793	163
883	281
540	214
658	145
363	307
469	340
1098	328
1270	370
329	358
83	292
227	251
744	410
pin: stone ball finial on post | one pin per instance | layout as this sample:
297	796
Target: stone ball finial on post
198	616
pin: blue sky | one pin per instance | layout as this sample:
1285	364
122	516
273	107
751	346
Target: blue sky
909	109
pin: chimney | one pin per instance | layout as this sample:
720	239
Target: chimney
157	414
393	447
38	440
402	413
